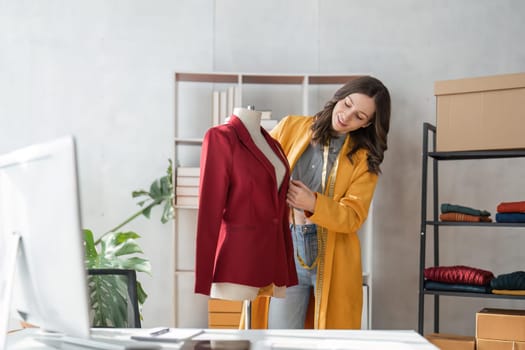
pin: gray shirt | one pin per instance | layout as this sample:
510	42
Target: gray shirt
309	167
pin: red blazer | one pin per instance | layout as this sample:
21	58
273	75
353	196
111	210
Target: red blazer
243	235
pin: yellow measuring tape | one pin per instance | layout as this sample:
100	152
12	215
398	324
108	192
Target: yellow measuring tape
320	235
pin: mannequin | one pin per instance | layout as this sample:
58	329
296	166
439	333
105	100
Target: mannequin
244	246
252	121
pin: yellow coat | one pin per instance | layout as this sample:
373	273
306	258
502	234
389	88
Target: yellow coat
339	274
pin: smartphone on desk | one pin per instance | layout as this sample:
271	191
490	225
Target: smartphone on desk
237	344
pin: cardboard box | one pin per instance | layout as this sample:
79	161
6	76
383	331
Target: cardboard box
489	344
224	319
224	313
500	324
452	341
485	113
219	305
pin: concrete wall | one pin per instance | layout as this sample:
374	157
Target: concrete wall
103	71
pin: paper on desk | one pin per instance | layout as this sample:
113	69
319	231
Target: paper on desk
174	335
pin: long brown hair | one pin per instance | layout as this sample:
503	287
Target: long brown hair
373	138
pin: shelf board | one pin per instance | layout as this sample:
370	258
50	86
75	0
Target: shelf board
487	224
251	78
178	206
188	141
207	78
457	155
472	295
271	79
331	79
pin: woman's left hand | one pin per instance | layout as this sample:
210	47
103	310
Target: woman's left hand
299	196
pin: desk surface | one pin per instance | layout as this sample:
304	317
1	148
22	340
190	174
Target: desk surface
264	339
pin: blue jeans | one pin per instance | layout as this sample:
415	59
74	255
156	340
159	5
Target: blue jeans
290	312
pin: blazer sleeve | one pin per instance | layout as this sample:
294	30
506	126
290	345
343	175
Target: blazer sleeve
216	164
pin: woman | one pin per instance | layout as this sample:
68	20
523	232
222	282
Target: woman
335	158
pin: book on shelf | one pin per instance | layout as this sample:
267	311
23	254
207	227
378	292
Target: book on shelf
215	119
187	190
188	200
236	96
223	106
185	181
230	101
188	171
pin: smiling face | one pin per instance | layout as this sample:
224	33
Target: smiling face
353	112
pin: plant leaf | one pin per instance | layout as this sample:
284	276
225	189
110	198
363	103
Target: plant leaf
147	211
141	294
109	301
155	190
128	247
139	193
137	264
91	253
167	213
141	203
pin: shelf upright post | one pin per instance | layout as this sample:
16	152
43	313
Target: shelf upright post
238	102
174	182
422	237
435	220
427	128
305	95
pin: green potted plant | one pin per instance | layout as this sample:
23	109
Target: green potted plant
118	249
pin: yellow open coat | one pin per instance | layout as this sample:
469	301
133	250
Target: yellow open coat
339	275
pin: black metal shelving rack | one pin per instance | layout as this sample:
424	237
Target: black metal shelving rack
429	129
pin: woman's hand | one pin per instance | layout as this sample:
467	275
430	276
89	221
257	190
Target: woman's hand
299	196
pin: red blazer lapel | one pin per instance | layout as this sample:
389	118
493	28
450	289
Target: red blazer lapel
246	139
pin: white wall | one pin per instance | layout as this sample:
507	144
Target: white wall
103	70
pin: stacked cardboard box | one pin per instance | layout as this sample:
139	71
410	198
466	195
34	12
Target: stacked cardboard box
452	341
224	313
500	329
484	113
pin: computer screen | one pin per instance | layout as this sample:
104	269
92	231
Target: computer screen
39	202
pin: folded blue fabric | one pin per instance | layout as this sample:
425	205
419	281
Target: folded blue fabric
513	281
448	208
456	287
510	217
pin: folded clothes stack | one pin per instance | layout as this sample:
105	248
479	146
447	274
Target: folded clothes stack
458	278
511	212
509	283
455	212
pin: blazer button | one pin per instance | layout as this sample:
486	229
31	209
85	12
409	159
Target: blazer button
275	221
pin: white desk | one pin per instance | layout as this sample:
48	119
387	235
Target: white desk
268	339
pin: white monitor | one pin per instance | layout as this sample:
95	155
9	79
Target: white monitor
39	202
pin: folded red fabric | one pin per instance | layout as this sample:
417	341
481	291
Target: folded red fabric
452	216
458	274
511	207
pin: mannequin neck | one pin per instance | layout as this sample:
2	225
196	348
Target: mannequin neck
250	118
